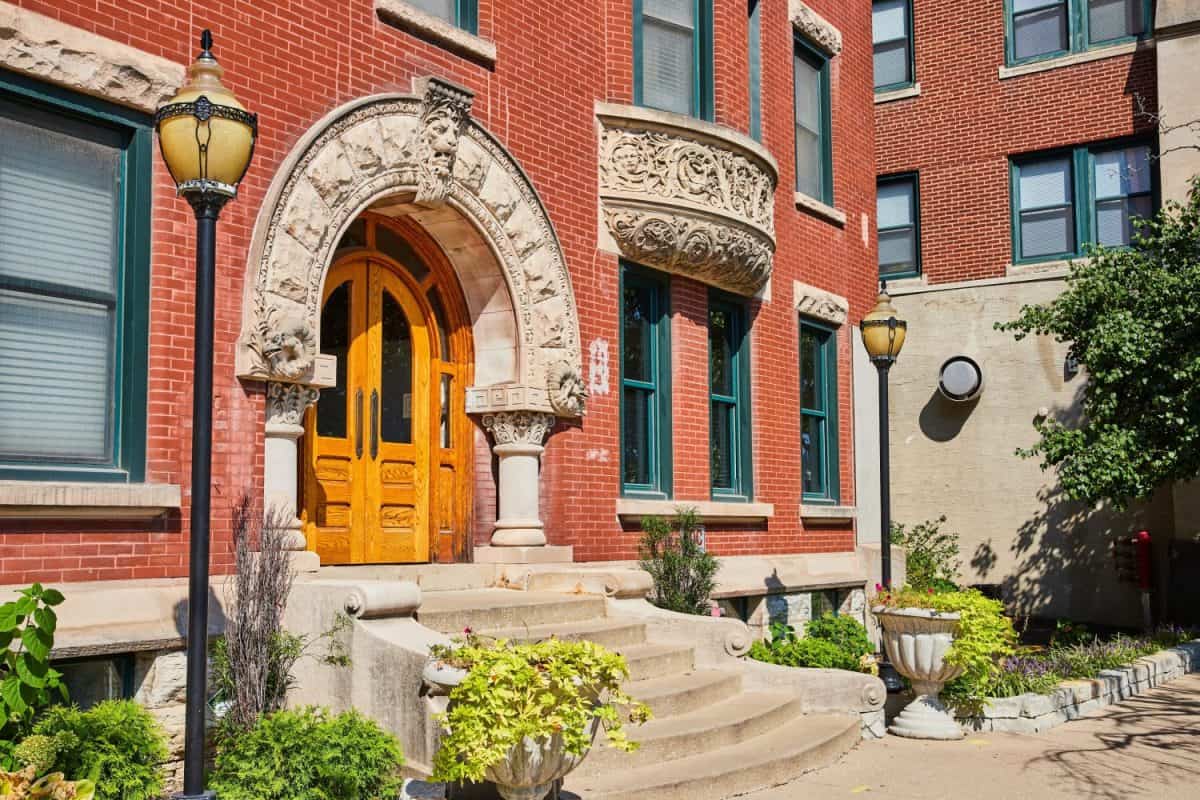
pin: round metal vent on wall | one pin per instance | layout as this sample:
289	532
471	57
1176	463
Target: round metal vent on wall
960	379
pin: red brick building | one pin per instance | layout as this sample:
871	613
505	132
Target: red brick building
509	194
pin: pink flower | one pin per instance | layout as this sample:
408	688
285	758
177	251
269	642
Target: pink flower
467	630
929	590
879	587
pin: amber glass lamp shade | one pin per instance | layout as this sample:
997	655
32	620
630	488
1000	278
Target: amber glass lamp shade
883	334
206	135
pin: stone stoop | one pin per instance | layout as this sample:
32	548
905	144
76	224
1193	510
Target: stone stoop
711	736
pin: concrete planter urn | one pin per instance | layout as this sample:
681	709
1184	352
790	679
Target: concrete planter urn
916	641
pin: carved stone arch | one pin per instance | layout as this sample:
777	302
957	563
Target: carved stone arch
423	155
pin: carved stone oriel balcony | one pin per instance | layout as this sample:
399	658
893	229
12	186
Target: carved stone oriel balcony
687	196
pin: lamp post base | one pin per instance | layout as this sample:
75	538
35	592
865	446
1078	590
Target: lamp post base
205	795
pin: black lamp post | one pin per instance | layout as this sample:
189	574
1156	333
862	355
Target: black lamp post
883	336
207	141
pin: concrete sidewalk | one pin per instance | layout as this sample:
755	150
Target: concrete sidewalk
1148	746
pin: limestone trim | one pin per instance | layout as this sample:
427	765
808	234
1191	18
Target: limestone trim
55	500
904	289
815	207
820	304
286	402
819	513
516	428
425	150
814	27
707	510
434	29
687	196
898	94
46	49
1071	59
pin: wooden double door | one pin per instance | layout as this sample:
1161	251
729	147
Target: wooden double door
385	474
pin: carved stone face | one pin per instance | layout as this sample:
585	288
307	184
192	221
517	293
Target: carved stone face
440	135
287	350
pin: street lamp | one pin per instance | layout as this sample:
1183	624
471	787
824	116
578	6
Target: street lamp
883	336
207	140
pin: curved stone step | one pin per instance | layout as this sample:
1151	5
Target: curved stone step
805	743
613	634
657	660
487	609
736	719
671	695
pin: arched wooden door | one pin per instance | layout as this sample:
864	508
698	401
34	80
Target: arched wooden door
386	453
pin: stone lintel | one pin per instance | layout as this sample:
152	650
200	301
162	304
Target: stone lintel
814	27
820	304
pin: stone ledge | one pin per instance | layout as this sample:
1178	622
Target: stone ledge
818	209
707	510
814	27
44	499
1071	59
902	93
49	50
436	30
819	513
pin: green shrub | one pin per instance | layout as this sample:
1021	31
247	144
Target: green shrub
788	650
27	682
309	754
844	631
931	555
684	573
116	743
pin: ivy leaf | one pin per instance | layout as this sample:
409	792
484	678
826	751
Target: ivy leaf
37	642
52	597
46	619
32	671
10	692
9	618
26	605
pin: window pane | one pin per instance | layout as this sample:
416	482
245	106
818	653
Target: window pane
668	62
439	316
680	12
1115	219
889	20
1040	32
811	396
635	438
809	152
638	354
721	435
808	163
396	377
808	94
812	446
355	236
897	250
439	8
720	351
891	63
1048	232
1114	19
56	363
335	341
394	246
894	204
1045	183
445	426
1122	172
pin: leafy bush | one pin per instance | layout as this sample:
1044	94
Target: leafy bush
931	555
1067	633
537	691
684	573
116	743
27	682
309	754
844	631
787	649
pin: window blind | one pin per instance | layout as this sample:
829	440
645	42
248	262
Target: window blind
889	34
668	55
1039	27
1047	211
809	155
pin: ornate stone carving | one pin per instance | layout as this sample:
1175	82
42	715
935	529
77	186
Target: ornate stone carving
568	392
519	427
284	347
286	402
687	196
814	27
820	304
445	115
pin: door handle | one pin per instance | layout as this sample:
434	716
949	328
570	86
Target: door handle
358	424
374	424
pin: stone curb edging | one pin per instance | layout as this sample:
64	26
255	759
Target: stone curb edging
1034	713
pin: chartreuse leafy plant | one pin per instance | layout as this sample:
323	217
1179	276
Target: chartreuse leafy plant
28	684
513	691
1131	317
309	754
25	785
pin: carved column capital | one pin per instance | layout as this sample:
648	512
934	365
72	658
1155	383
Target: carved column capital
286	403
519	427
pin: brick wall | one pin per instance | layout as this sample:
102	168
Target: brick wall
293	62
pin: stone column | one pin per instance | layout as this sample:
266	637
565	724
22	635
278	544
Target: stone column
286	403
518	439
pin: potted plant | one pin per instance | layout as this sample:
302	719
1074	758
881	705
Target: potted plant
524	715
933	637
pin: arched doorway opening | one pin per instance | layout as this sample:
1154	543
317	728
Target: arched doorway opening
387	457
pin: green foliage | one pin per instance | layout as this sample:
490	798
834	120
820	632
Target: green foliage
1132	319
40	752
27	682
1067	633
684	573
789	650
116	743
843	630
931	555
516	691
25	785
309	754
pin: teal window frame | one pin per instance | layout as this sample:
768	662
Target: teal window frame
754	56
1078	33
659	443
828	454
914	179
130	299
820	61
1083	193
466	15
741	449
702	59
912	52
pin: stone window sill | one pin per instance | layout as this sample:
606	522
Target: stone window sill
902	93
708	510
819	513
50	500
1061	267
436	31
1071	59
818	209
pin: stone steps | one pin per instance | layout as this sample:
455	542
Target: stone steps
652	660
672	695
490	609
613	634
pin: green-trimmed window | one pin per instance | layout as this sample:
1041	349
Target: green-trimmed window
461	13
814	149
891	36
74	275
1047	28
645	383
673	56
898	217
754	56
729	399
818	414
1069	198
